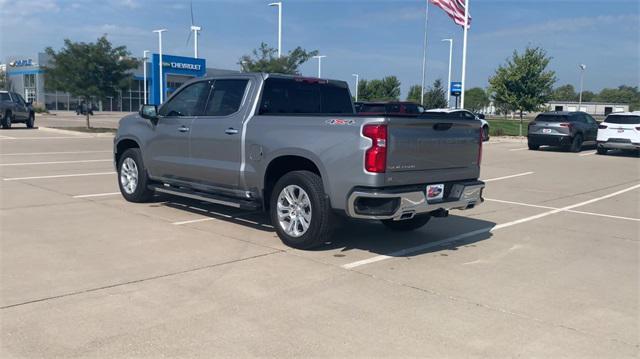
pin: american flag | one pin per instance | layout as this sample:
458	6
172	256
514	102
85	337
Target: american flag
453	8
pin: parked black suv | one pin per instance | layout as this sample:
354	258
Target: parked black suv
13	108
569	130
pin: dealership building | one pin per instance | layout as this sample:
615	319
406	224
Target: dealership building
27	77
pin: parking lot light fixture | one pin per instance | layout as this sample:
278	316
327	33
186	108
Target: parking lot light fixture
161	79
319	57
279	5
145	57
582	68
357	83
449	78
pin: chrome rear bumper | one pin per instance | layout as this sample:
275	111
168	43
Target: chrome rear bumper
463	195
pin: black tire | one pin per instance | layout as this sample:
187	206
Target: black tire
601	150
485	133
576	143
322	217
7	119
141	193
31	120
533	147
407	224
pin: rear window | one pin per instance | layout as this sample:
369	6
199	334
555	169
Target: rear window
301	96
373	108
623	119
552	118
4	96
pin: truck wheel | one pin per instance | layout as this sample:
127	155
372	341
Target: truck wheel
576	144
6	120
485	133
132	177
601	150
31	120
533	147
407	224
300	210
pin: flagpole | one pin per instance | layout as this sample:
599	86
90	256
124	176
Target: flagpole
464	51
424	53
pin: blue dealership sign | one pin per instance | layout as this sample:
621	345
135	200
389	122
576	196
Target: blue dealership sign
173	65
456	88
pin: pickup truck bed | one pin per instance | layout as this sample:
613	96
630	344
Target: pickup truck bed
294	147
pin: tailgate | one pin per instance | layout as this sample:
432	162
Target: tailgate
423	144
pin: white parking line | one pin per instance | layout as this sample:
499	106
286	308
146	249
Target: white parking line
7	138
51	153
519	149
52	162
236	217
570	210
507	177
97	195
407	251
58	176
587	154
48	138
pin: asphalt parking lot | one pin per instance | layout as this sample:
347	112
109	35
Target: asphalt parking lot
548	266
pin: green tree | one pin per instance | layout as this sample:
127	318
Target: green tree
476	99
265	59
622	94
435	96
588	96
523	83
565	93
385	89
87	70
414	93
5	81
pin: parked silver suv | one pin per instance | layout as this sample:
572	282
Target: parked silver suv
569	130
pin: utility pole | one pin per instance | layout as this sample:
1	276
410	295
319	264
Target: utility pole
449	78
319	57
357	83
279	5
161	77
582	68
145	57
424	53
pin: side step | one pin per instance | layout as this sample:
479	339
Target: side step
207	197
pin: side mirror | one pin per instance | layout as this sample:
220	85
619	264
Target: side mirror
480	116
150	112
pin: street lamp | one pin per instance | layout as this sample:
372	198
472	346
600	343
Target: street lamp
357	83
145	57
582	68
449	81
161	79
319	57
195	30
279	5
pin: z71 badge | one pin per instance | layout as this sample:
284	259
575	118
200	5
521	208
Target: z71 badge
339	122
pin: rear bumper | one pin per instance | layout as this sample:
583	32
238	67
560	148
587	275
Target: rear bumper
619	145
397	204
549	140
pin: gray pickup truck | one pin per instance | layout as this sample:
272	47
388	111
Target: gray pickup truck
13	109
294	147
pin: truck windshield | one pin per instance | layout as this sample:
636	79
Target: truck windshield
623	119
302	96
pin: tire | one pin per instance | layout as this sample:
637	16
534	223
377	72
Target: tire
485	133
31	120
407	224
576	143
130	165
601	150
309	204
533	147
7	120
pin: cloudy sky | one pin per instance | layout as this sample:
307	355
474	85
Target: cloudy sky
374	38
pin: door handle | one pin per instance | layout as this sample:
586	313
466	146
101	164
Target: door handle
231	131
183	129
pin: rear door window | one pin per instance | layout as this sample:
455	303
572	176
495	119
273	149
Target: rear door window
623	119
302	96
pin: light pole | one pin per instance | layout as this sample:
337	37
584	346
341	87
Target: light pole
195	30
582	68
357	83
110	103
160	78
319	57
449	78
145	57
279	5
424	53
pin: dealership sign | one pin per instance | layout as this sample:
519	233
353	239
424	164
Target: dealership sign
456	88
21	63
182	66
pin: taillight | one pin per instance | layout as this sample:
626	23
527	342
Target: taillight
638	128
480	146
565	125
375	158
602	127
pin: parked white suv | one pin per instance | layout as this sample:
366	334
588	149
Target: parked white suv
619	131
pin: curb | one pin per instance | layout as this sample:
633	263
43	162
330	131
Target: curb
74	133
